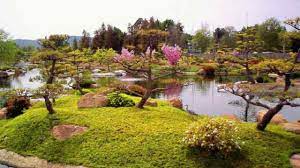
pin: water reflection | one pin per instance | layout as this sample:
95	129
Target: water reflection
198	94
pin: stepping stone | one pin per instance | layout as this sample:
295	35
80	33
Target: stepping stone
295	161
292	127
64	132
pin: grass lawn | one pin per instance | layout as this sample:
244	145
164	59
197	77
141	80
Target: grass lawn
129	137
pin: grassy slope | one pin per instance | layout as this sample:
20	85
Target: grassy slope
134	138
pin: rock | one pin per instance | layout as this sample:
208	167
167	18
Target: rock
176	102
3	74
151	103
63	132
132	79
277	119
101	75
94	85
295	160
91	100
136	89
292	127
273	75
3	113
232	117
120	73
96	70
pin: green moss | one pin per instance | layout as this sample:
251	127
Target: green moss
131	137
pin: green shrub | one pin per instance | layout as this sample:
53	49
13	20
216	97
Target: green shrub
87	83
208	70
216	136
117	100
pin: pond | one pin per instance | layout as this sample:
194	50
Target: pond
198	94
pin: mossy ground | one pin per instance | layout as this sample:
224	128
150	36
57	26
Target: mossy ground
130	137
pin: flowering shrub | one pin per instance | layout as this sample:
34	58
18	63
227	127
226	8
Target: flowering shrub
117	100
125	55
172	54
214	135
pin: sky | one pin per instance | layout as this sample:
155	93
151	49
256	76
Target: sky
32	19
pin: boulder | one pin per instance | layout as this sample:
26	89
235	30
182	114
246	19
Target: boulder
120	73
232	117
292	127
277	119
3	113
273	75
91	100
151	103
94	85
295	160
96	70
63	132
176	102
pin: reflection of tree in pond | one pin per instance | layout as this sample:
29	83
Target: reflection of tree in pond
106	81
173	90
247	113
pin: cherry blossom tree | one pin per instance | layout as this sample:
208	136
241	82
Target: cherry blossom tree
142	66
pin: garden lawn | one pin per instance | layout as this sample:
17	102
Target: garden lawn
130	137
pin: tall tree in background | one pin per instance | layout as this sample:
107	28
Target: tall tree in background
8	49
228	40
75	44
85	41
268	32
218	34
99	38
202	39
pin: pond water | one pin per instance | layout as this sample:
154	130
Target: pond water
198	94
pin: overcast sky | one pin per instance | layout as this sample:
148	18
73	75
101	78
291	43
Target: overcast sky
32	19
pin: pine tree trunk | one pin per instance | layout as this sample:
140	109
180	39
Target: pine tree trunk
144	99
49	105
268	117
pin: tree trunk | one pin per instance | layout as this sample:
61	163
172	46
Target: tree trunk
49	105
144	99
268	117
246	112
287	81
249	75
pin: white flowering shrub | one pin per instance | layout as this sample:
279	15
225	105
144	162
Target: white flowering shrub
214	135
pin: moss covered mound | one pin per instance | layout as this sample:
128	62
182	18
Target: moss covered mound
130	137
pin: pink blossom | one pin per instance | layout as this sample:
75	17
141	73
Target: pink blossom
125	55
172	54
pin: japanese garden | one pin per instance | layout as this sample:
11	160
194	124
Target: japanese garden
153	95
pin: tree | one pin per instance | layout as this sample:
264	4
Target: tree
295	23
247	43
285	40
75	44
218	34
268	32
51	62
8	49
74	60
85	41
282	96
105	56
228	40
99	38
143	66
202	39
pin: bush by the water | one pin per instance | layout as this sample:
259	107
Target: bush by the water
87	83
209	70
117	100
16	106
216	136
